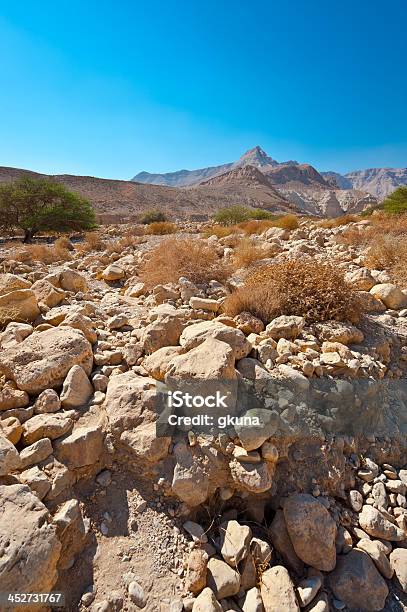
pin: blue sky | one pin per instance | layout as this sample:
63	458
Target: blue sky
111	88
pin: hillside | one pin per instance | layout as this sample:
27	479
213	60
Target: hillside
116	200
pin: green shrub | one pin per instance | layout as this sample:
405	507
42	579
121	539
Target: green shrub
231	215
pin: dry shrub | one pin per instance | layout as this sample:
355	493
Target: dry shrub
117	246
221	231
93	242
389	252
176	257
289	222
256	227
246	253
161	228
63	242
338	221
46	254
315	291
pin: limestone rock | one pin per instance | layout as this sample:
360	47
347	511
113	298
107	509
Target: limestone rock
77	388
253	601
196	571
36	452
11	429
282	543
71	280
47	401
222	579
357	583
45	426
377	552
19	305
373	522
9	457
82	447
277	591
31	557
210	360
157	363
11	398
47	294
190	482
43	359
398	562
196	334
14	334
113	272
235	542
390	295
312	531
206	602
252	477
287	327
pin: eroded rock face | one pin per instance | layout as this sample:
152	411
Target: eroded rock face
29	559
43	359
312	531
357	582
9	457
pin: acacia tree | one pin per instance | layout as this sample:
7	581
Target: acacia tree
35	205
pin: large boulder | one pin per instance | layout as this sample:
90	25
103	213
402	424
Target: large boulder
190	480
282	543
165	330
357	583
287	327
71	280
46	294
222	579
30	553
196	334
157	363
312	531
43	359
19	305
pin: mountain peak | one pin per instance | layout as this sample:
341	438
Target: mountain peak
256	157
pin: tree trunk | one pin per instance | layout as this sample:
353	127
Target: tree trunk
28	236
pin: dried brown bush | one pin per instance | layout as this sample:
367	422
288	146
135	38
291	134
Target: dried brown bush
338	221
117	246
176	257
93	242
315	291
389	252
161	228
46	254
246	253
221	231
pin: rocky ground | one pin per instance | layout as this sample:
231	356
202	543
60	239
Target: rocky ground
309	511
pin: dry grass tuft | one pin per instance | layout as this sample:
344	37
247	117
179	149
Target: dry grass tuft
315	291
389	252
246	253
338	221
117	246
161	228
176	257
221	231
93	242
46	254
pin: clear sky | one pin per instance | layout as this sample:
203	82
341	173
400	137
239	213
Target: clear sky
112	88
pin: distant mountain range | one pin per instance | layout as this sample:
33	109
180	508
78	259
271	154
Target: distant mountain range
378	182
255	180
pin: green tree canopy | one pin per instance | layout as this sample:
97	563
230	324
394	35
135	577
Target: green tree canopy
396	202
35	205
